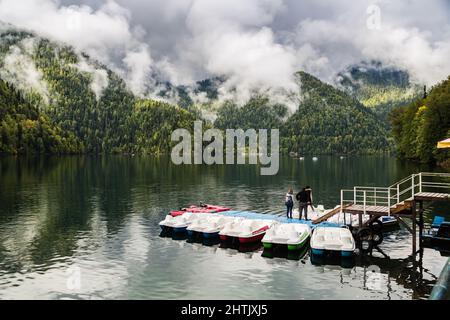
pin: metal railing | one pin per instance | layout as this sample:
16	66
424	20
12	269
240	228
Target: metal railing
397	193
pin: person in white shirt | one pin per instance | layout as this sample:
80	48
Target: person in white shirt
289	203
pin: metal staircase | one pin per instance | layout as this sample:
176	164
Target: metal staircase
399	200
399	197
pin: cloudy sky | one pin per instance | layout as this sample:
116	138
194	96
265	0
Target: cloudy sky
254	43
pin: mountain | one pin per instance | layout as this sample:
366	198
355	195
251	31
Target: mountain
84	98
206	90
378	87
418	127
91	106
258	113
329	121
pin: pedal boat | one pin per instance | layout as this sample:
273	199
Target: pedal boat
209	226
332	239
438	236
247	231
293	235
207	208
212	229
180	223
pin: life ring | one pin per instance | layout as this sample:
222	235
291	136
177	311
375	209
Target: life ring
377	238
365	240
376	225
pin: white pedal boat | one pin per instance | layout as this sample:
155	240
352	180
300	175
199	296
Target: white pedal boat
332	239
199	224
213	229
246	231
181	223
294	235
210	226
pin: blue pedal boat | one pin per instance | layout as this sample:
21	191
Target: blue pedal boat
438	236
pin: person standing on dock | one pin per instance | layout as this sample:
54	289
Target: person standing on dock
289	203
310	197
302	198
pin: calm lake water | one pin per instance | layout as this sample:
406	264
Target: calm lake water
97	218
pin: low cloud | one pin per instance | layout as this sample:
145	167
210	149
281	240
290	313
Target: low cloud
19	69
255	45
99	77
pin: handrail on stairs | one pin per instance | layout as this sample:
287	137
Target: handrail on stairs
397	193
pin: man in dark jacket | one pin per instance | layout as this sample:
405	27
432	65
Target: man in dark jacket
310	197
303	197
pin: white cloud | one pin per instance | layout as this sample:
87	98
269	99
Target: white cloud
256	44
99	81
105	34
138	64
19	69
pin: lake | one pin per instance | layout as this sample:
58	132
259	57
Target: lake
87	228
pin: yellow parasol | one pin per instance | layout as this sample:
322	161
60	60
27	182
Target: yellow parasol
445	144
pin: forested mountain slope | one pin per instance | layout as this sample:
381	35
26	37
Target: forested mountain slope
379	88
330	121
86	99
24	129
327	121
418	127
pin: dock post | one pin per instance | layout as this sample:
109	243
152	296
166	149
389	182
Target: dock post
414	228
389	201
364	208
421	226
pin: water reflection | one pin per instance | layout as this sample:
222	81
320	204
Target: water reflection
283	253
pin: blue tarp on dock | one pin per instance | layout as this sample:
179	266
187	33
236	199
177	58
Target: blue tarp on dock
261	216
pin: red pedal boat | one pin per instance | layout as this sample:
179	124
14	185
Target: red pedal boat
207	208
255	236
246	231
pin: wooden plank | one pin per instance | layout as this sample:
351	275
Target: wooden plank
428	196
432	196
401	207
380	211
330	214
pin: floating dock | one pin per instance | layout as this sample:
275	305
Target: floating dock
263	216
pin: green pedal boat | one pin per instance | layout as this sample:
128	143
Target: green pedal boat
293	235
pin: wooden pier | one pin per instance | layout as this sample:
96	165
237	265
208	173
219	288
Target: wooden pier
403	200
